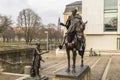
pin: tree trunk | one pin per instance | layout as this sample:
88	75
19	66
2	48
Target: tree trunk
3	39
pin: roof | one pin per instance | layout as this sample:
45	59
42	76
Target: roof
17	28
73	5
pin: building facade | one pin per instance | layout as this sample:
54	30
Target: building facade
103	28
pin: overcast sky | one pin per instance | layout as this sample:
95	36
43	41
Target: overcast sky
48	10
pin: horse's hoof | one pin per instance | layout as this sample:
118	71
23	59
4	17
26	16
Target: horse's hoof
68	70
73	71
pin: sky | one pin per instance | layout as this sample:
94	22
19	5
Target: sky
48	10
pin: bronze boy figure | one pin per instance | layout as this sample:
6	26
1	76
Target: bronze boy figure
36	62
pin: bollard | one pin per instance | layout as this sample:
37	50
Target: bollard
27	70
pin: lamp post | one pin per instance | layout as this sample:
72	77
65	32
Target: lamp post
47	39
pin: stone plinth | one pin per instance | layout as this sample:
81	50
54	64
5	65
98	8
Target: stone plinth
82	73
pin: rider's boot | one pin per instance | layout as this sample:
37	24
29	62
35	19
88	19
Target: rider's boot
82	44
81	47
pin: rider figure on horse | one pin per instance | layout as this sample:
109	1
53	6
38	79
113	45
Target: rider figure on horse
71	21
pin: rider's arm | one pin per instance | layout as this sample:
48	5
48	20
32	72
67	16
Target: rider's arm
37	51
62	24
67	22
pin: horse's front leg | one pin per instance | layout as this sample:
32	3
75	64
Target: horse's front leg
74	60
82	61
68	57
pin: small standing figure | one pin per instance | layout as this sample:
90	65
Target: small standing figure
91	52
36	62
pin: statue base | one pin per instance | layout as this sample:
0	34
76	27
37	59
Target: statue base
82	73
37	78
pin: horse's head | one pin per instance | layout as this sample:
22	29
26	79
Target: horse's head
84	23
80	30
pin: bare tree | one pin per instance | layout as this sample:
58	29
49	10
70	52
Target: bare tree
19	35
51	30
41	34
58	35
9	35
29	20
5	27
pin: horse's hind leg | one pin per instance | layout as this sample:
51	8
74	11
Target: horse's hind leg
74	60
68	57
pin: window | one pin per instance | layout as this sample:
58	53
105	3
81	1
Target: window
110	15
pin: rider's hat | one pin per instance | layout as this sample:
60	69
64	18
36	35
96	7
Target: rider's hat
75	9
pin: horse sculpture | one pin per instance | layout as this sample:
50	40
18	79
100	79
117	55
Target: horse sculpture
76	42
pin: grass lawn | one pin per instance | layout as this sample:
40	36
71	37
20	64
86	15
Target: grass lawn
11	43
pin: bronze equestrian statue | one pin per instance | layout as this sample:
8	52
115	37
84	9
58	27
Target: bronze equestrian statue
74	39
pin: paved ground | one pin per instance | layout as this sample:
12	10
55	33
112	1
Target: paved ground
8	77
114	71
98	66
102	67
